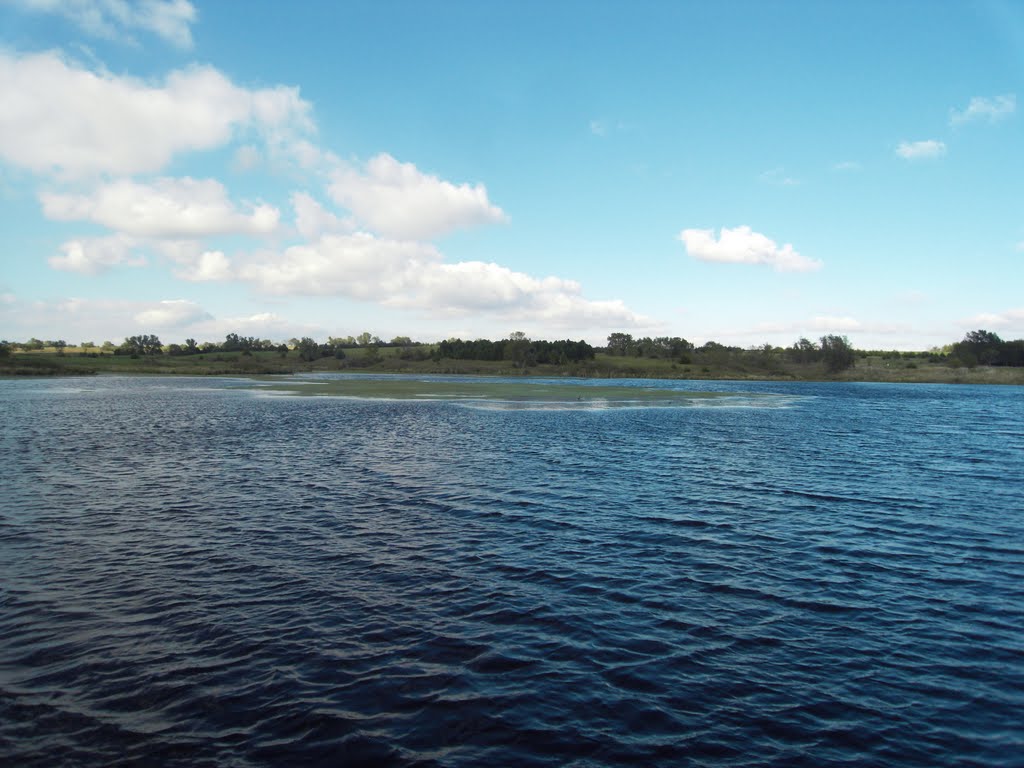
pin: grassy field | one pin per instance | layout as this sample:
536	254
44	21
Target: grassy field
744	367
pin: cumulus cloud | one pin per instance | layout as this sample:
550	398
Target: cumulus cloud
920	150
208	266
981	108
90	256
359	265
172	313
744	246
167	208
412	275
398	200
312	219
115	19
61	118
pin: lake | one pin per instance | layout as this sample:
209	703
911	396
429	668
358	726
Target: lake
206	572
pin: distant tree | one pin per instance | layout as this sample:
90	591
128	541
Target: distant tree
60	344
401	341
620	344
141	345
190	347
364	339
803	351
5	350
108	346
516	348
979	348
837	353
308	349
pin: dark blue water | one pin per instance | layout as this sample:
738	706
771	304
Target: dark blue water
194	575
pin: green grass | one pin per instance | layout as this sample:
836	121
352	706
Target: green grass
720	367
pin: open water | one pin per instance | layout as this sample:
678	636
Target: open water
193	574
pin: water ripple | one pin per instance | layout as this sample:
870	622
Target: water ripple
192	575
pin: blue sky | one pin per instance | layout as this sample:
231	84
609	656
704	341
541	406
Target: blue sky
744	172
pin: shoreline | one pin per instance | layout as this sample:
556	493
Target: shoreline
869	370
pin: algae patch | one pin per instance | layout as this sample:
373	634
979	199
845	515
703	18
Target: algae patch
520	394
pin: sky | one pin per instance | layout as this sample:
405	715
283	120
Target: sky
743	172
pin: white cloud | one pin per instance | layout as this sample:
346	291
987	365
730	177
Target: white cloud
358	265
398	200
209	266
61	118
412	275
169	19
920	150
90	256
599	128
312	219
195	264
744	246
167	208
263	325
1011	318
981	108
247	157
846	165
172	313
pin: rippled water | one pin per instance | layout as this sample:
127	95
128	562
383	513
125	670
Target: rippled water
194	574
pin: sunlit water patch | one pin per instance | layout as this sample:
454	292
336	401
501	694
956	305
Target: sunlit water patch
788	574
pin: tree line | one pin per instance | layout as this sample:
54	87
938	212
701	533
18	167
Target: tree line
833	352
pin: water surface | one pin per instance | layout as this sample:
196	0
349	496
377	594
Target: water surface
194	573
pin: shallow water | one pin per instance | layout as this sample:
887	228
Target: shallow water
194	574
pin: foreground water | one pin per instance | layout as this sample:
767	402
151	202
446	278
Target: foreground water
194	574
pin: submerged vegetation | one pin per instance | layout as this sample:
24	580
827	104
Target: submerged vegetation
981	357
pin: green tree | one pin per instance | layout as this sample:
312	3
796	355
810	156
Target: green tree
146	344
308	349
979	348
517	349
837	353
620	344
